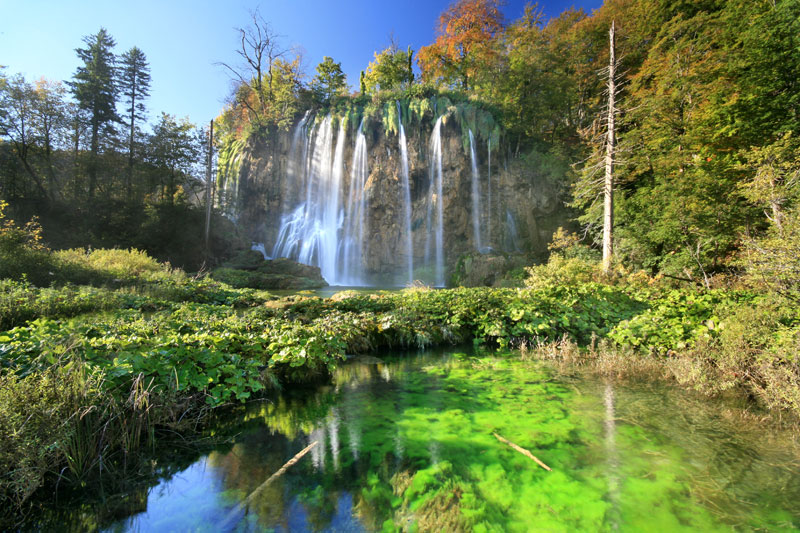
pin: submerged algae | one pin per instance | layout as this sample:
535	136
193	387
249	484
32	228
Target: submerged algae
408	446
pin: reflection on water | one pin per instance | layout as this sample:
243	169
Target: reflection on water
410	442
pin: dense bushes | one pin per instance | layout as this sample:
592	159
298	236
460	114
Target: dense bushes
22	253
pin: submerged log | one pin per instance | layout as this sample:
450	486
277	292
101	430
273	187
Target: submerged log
523	451
229	520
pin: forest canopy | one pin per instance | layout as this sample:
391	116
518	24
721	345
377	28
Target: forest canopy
707	119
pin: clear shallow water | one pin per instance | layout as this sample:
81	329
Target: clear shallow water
410	442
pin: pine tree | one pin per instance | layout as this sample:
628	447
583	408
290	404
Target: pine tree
134	84
95	90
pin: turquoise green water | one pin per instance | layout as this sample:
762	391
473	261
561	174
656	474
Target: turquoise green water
409	445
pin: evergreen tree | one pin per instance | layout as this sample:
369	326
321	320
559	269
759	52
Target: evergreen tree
95	90
134	84
329	80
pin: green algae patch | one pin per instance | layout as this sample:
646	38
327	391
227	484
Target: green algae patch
409	445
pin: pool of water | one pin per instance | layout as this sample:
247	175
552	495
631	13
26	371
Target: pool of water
404	443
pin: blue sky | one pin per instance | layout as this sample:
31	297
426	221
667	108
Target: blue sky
183	39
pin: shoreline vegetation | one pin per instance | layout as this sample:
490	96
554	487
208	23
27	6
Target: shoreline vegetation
122	351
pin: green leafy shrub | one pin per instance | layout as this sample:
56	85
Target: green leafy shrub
118	266
22	253
560	270
773	259
676	320
38	418
756	349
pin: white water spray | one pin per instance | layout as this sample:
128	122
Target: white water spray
476	196
406	195
435	214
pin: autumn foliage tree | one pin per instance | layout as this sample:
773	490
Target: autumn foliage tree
465	43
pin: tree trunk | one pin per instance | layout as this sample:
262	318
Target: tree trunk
209	184
129	177
93	162
608	189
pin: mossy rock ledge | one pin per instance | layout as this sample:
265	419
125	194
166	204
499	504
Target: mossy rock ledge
250	269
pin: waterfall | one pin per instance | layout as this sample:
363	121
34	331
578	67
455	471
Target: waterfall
476	196
259	247
513	237
292	165
355	219
325	220
406	195
435	228
310	232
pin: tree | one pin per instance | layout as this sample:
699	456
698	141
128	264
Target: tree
17	124
464	43
329	80
683	213
608	188
389	70
95	90
173	151
545	78
134	84
776	177
260	50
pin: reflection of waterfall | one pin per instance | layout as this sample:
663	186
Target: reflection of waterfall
435	228
612	455
489	192
406	195
310	230
333	433
354	434
318	451
476	195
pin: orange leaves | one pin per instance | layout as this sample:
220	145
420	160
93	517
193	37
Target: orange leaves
465	34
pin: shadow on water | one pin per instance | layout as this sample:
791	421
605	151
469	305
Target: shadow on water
409	440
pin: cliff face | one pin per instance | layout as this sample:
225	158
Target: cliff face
518	210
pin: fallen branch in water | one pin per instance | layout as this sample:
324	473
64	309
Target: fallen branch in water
232	515
523	451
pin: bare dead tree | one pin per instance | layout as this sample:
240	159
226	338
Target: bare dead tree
259	48
608	189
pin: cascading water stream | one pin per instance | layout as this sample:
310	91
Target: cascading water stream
355	221
435	228
476	196
310	233
513	237
406	195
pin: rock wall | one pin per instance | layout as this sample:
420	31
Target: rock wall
525	207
